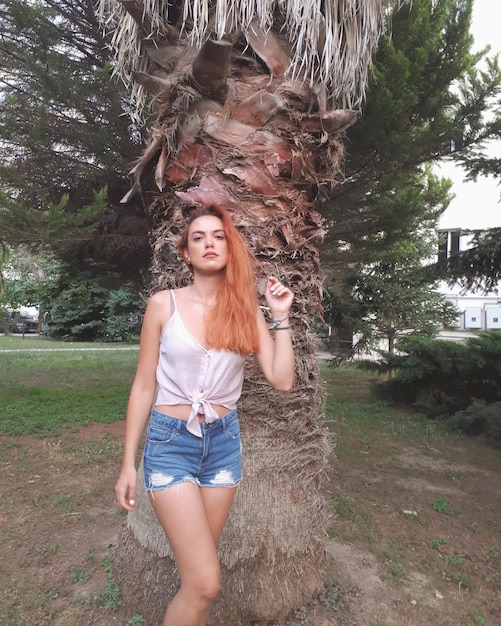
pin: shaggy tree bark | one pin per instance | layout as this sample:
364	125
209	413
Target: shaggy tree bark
236	128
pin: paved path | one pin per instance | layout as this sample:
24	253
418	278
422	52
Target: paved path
75	349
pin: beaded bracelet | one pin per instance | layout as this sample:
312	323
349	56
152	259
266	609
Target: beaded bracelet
276	321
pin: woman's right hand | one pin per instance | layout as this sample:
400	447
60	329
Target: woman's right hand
126	488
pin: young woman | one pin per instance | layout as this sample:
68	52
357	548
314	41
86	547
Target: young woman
191	360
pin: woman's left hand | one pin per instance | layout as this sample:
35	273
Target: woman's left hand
279	297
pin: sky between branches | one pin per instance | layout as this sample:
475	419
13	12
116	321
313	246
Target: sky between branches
476	205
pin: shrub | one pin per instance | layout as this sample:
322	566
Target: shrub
86	310
479	419
444	378
77	312
123	313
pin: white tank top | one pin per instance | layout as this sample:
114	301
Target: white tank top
188	373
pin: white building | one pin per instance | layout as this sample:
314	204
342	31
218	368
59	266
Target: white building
478	311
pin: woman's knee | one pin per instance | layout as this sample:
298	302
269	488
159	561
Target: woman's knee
210	585
212	588
205	585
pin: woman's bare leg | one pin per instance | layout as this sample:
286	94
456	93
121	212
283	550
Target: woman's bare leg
193	520
217	504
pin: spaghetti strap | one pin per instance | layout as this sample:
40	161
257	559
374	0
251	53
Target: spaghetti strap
172	302
173	309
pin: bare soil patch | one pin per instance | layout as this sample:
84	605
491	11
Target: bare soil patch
416	538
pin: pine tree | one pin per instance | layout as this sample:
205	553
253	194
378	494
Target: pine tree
426	102
429	100
66	141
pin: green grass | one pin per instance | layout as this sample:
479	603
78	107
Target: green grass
30	342
44	388
436	544
351	410
45	384
367	433
441	505
369	437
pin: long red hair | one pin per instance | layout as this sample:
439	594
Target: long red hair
231	324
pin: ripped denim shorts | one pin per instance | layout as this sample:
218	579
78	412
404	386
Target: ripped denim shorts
173	455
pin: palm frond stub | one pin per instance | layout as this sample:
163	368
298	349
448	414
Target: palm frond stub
330	42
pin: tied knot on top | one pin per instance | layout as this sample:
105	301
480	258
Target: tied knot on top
200	406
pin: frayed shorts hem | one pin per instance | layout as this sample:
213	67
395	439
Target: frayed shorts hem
194	481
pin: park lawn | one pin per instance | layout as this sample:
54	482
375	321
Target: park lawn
415	535
46	384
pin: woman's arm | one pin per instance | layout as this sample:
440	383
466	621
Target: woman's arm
141	396
276	355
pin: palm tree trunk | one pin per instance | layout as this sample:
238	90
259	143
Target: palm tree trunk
234	130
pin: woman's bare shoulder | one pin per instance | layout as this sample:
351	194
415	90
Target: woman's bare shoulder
162	300
181	293
159	307
160	297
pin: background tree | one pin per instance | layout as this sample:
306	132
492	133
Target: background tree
396	298
86	308
247	96
65	139
4	314
394	294
479	267
76	305
55	72
428	99
29	280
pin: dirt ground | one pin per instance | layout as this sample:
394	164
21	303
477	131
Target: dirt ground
416	540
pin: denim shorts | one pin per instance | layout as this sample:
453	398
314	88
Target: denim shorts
173	455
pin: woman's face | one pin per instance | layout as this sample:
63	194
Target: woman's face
207	247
